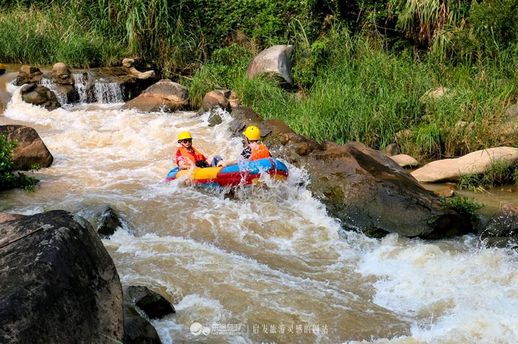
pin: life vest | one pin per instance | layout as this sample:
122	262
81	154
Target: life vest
259	151
193	155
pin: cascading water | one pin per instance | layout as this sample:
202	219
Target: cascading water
81	86
107	92
62	97
267	265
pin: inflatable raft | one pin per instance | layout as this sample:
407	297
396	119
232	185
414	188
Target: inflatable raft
243	173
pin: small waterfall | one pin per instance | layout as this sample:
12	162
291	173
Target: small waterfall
60	95
81	85
91	90
107	92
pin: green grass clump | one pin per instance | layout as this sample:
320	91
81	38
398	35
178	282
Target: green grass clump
8	178
499	173
462	205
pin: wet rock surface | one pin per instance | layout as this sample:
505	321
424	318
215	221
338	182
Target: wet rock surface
28	75
107	221
39	95
58	284
129	84
63	81
137	329
153	304
502	229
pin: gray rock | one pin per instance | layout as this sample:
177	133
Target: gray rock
108	222
153	304
274	61
138	330
214	119
511	114
369	192
39	95
58	283
28	75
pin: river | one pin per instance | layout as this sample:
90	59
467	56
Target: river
267	265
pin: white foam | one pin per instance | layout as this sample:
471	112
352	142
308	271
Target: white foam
457	294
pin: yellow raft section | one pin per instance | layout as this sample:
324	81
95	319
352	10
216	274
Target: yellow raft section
199	173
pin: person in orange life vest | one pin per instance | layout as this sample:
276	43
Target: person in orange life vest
186	155
254	148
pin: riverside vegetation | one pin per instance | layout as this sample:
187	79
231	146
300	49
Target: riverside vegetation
8	177
360	68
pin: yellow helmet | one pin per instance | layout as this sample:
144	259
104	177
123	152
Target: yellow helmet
184	135
252	133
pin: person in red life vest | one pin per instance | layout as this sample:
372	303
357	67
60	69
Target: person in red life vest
186	155
254	148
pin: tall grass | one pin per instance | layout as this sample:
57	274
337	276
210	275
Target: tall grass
177	35
363	92
30	35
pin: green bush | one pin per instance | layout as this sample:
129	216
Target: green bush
462	205
8	178
494	23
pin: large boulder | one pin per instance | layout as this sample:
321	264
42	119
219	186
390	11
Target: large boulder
30	150
165	95
362	187
274	61
39	95
58	284
473	163
369	192
28	75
